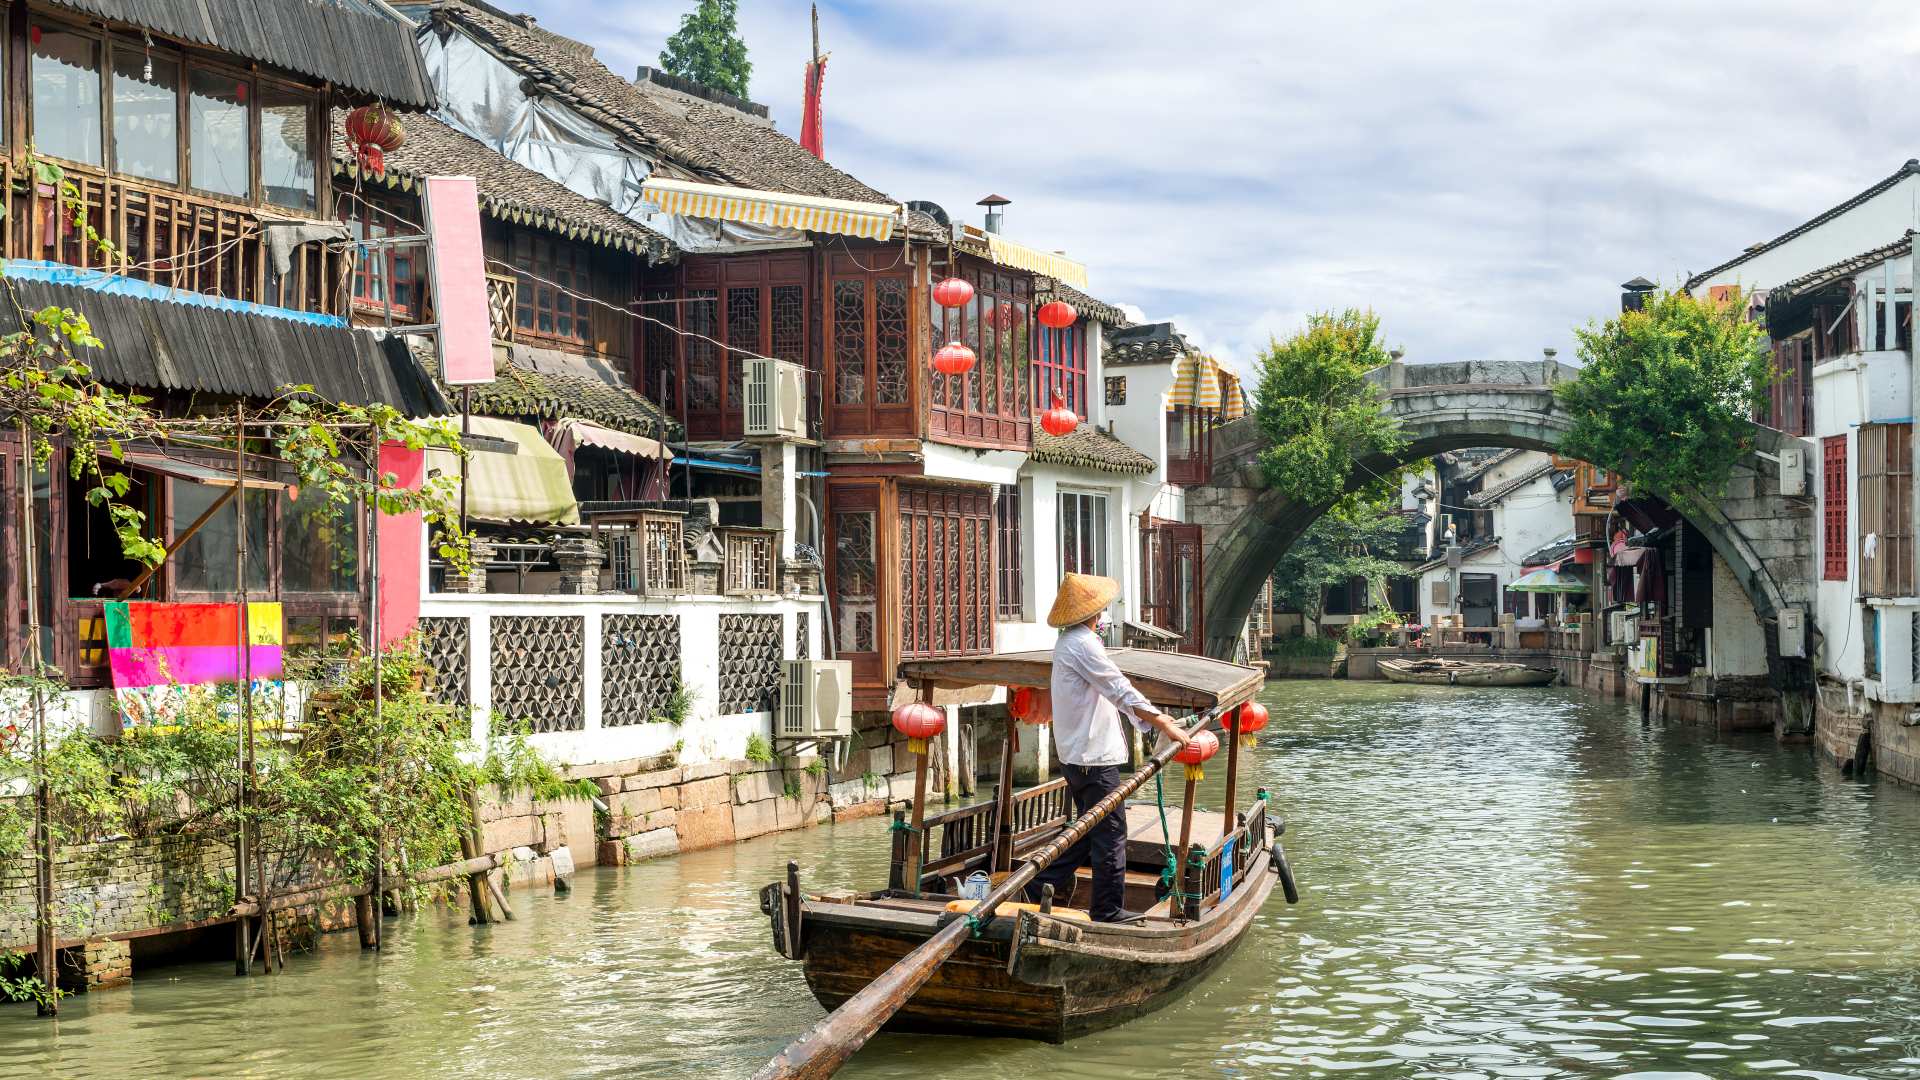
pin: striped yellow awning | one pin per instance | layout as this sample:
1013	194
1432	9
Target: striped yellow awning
1021	257
814	213
1197	385
1233	402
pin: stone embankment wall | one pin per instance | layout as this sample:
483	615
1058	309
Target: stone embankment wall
1857	734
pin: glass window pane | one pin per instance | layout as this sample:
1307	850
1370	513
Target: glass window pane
318	548
206	562
66	95
146	115
219	132
286	158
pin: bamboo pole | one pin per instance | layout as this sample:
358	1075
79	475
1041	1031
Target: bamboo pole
320	894
1189	905
242	868
1003	803
48	962
372	511
827	1045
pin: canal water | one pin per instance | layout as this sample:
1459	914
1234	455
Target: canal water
1510	883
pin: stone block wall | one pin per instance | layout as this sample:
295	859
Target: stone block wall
121	886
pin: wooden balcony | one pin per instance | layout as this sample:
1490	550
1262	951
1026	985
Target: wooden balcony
166	237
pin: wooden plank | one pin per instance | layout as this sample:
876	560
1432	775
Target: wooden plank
1170	680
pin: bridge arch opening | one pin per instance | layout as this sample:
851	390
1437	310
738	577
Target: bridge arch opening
1763	538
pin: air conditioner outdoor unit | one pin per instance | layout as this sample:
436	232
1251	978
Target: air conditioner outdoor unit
1895	630
1623	626
776	399
816	700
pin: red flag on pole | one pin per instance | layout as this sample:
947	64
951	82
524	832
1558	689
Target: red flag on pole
810	124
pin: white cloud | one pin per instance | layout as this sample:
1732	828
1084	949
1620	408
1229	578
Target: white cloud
1483	175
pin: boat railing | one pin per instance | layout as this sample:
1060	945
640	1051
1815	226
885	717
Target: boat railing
1245	838
965	833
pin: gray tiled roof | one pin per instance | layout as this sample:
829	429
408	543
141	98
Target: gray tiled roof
1149	343
508	190
1495	494
711	140
1088	307
1844	269
1088	447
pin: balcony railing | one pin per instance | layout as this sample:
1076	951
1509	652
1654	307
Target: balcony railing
166	237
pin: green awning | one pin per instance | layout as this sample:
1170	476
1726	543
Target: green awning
528	486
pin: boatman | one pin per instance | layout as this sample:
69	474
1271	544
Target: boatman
1090	695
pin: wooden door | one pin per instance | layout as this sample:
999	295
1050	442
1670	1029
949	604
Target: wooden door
1174	583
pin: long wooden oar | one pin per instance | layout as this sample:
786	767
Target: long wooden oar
828	1044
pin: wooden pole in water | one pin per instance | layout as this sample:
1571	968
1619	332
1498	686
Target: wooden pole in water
828	1044
379	676
242	853
917	839
47	953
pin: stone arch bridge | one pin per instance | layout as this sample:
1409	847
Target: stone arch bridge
1765	537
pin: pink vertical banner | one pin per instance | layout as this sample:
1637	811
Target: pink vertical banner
458	266
402	543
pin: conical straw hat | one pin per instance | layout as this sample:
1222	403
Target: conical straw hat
1081	597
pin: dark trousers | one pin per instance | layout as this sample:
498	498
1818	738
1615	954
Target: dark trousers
1105	847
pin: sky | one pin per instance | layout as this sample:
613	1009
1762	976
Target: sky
1483	176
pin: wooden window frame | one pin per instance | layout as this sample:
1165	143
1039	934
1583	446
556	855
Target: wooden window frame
869	415
1833	508
1885	470
662	351
1061	368
946	570
750	566
873	498
1009	568
965	410
1195	425
1103	554
528	296
368	215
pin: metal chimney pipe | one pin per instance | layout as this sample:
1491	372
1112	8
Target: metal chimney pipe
995	215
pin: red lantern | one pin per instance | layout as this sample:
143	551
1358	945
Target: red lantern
919	722
953	358
1195	754
374	131
1059	420
952	292
1249	719
1000	317
1057	315
1030	706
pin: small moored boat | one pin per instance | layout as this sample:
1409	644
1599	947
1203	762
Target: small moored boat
1439	671
1038	971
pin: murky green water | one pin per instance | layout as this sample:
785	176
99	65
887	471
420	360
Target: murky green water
1501	883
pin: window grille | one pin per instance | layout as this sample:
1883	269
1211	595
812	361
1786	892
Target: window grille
750	557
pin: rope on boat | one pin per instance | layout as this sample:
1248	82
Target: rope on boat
1167	874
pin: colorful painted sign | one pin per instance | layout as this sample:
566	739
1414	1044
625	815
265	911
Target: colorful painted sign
158	653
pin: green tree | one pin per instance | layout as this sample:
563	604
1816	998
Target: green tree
1341	546
707	48
1666	394
1322	415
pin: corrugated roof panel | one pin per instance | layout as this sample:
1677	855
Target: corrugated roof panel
348	42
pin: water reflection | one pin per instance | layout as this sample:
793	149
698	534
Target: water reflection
1497	883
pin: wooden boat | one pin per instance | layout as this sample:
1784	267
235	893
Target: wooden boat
1047	974
1439	671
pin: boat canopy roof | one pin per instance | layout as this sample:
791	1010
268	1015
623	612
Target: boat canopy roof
1168	679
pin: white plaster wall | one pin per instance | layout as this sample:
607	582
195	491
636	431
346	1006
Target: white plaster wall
1880	220
1531	518
706	736
1040	486
943	462
1142	422
1737	644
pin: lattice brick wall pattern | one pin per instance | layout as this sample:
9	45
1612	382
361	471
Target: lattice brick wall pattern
639	666
751	648
539	664
445	649
802	651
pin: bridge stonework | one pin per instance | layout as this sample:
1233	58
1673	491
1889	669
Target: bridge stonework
1766	538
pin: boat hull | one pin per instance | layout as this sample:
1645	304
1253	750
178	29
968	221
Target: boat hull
1031	978
1469	675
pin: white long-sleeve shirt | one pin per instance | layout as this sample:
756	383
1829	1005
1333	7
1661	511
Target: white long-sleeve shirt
1089	696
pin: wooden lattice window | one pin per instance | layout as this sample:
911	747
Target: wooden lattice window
1007	554
854	575
737	307
870	346
1886	509
1833	505
749	566
991	404
662	555
1189	444
946	571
